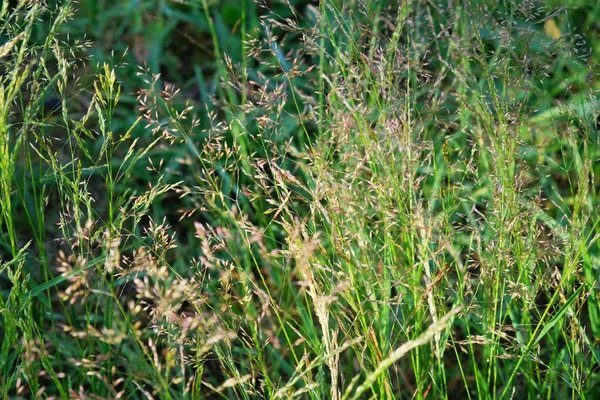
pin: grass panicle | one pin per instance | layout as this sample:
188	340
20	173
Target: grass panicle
299	200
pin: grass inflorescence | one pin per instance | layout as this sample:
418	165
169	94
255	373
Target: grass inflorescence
332	200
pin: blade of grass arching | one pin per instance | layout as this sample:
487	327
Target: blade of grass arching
41	288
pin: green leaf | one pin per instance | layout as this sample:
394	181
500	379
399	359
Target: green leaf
558	315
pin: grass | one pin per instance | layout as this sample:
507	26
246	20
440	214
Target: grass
341	200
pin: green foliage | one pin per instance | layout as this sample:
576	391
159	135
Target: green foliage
287	199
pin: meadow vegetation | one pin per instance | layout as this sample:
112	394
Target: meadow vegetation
299	200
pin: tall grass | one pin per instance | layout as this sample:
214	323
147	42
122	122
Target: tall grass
367	200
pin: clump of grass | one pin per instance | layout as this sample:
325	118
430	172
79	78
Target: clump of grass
376	200
66	219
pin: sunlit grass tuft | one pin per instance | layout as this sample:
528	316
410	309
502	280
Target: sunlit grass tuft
350	200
